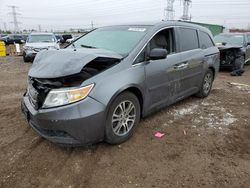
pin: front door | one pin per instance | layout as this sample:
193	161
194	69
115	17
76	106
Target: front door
163	76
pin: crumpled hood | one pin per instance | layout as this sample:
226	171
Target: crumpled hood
65	62
226	47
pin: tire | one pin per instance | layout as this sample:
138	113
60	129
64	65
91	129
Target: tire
206	84
25	59
120	123
239	63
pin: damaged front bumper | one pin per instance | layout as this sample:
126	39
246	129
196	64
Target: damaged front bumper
81	123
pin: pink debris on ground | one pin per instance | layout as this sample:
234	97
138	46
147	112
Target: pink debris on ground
159	134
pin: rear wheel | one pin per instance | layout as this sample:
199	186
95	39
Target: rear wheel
122	118
206	84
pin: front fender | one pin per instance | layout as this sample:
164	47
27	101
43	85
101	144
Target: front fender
109	86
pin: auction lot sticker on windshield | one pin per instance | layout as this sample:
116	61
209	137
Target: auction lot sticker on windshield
137	29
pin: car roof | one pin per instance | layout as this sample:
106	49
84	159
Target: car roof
165	24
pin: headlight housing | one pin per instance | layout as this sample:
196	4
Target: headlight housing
60	97
28	48
53	47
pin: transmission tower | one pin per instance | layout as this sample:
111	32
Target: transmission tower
186	16
169	10
39	28
5	26
14	15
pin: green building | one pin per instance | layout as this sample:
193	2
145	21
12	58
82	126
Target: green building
215	29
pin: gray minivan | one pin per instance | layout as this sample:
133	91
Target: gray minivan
99	87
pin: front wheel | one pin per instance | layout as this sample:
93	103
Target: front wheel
25	59
206	84
122	118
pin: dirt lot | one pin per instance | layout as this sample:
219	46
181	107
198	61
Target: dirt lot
214	152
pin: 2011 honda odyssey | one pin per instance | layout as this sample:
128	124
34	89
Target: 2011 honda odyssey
100	86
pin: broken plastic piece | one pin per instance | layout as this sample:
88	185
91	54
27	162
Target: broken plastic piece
159	134
184	132
238	84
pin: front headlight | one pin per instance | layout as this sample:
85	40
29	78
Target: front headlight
53	47
59	97
28	48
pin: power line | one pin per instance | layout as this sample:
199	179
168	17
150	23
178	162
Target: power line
14	15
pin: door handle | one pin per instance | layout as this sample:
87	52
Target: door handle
181	66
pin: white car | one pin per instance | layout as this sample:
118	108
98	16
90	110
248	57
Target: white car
37	42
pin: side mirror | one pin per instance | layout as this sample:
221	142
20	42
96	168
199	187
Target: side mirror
158	53
248	44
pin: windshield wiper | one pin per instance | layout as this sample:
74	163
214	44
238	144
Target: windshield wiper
86	46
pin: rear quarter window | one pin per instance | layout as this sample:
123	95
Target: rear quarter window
205	40
188	39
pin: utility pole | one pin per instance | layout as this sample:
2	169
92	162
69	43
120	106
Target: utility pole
39	28
5	26
92	25
186	16
14	15
169	10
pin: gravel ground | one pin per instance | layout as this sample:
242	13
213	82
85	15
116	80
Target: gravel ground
206	143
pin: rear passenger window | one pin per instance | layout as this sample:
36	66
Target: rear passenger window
188	39
205	40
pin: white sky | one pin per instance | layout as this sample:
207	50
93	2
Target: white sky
65	14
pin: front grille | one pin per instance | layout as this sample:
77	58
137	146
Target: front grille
33	95
39	49
36	93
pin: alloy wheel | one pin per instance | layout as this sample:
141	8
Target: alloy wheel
208	80
123	118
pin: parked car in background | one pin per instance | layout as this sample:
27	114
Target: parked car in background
75	37
60	39
2	36
13	38
100	86
37	42
234	49
25	37
66	37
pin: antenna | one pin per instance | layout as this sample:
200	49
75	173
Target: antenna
169	10
185	16
14	15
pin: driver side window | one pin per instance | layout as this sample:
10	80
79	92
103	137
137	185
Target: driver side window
163	39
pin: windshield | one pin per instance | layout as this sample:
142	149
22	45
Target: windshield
119	39
230	39
41	38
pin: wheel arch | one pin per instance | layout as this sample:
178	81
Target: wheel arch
213	70
132	89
